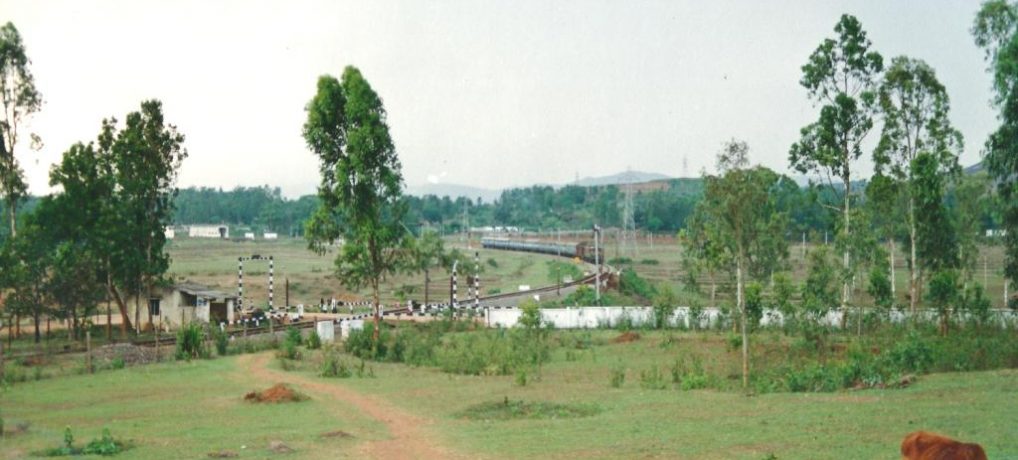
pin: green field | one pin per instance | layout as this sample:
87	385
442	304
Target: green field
214	262
665	257
186	410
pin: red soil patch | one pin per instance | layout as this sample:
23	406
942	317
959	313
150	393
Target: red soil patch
626	337
277	393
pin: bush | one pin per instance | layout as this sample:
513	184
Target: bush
117	363
650	262
106	445
690	375
314	342
333	366
221	340
191	343
630	283
913	354
664	305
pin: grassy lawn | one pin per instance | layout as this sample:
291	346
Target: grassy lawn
174	410
185	410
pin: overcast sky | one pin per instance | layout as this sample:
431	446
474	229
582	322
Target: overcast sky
488	94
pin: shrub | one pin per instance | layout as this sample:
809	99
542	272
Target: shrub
191	343
314	342
690	375
530	315
664	305
221	340
105	445
492	262
630	283
361	343
117	363
521	377
913	354
650	262
333	366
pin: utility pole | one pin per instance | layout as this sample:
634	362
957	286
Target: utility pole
628	221
597	266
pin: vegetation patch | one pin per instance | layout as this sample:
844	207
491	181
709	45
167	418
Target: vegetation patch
106	445
516	410
278	393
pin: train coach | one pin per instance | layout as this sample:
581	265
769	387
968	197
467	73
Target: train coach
581	250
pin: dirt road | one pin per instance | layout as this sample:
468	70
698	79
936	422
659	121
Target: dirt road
410	437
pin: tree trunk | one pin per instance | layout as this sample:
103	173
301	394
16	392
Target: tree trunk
125	319
891	252
846	262
913	269
374	298
35	319
427	283
12	212
137	313
109	317
740	302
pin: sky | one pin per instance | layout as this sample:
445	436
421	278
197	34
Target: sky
486	94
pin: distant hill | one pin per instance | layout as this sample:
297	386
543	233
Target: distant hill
634	177
975	169
454	191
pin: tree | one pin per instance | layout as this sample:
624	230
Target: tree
944	293
996	31
937	242
429	250
818	290
146	157
361	186
20	100
915	107
116	198
840	76
883	196
739	203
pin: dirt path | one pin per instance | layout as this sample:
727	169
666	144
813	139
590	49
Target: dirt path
409	435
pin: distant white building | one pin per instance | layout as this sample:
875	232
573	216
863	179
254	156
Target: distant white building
208	231
170	233
248	235
270	236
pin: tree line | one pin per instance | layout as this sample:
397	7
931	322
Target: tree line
100	235
918	197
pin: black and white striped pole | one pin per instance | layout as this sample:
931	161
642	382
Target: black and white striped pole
453	304
477	279
240	283
271	279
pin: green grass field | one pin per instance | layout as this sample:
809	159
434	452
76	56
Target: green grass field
214	262
186	410
668	269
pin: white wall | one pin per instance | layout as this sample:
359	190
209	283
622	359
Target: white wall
595	317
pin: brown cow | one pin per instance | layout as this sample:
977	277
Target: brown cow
923	445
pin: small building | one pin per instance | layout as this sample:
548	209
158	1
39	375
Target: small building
169	232
208	231
184	303
270	235
249	235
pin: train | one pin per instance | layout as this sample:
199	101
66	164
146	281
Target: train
582	250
